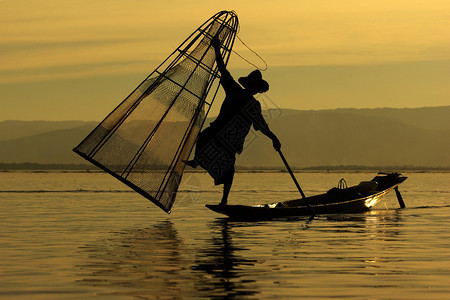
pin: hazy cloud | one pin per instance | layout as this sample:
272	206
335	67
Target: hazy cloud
62	51
65	33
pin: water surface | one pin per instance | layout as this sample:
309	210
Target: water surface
85	235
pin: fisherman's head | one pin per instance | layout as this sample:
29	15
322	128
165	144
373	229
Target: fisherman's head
254	83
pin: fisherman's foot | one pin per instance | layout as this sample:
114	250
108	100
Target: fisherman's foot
192	163
223	203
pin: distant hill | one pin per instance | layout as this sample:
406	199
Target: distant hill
337	138
425	117
437	118
368	137
47	148
11	129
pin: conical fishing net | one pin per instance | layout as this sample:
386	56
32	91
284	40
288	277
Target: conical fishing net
146	140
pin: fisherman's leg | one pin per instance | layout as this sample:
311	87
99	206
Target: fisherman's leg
203	139
228	181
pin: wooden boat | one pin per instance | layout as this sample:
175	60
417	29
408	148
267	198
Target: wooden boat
338	200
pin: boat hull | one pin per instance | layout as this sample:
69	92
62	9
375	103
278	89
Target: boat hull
333	202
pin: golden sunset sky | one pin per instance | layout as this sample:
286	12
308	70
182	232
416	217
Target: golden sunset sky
78	59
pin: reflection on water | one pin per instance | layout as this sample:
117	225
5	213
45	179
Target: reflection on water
222	266
383	225
155	261
235	260
148	261
384	254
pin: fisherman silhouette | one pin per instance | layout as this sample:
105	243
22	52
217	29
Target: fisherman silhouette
218	144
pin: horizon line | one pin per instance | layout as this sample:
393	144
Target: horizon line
272	108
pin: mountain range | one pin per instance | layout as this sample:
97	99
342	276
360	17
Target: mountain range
365	137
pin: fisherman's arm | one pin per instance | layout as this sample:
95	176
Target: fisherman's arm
259	123
219	59
275	141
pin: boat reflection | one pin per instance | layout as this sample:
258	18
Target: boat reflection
379	232
379	223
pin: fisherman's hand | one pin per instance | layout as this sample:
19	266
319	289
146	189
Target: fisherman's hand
215	42
276	143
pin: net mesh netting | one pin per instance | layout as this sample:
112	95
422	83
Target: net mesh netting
146	140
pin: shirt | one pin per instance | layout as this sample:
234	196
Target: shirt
239	111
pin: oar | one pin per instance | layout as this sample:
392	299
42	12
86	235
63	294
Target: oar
399	197
296	182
